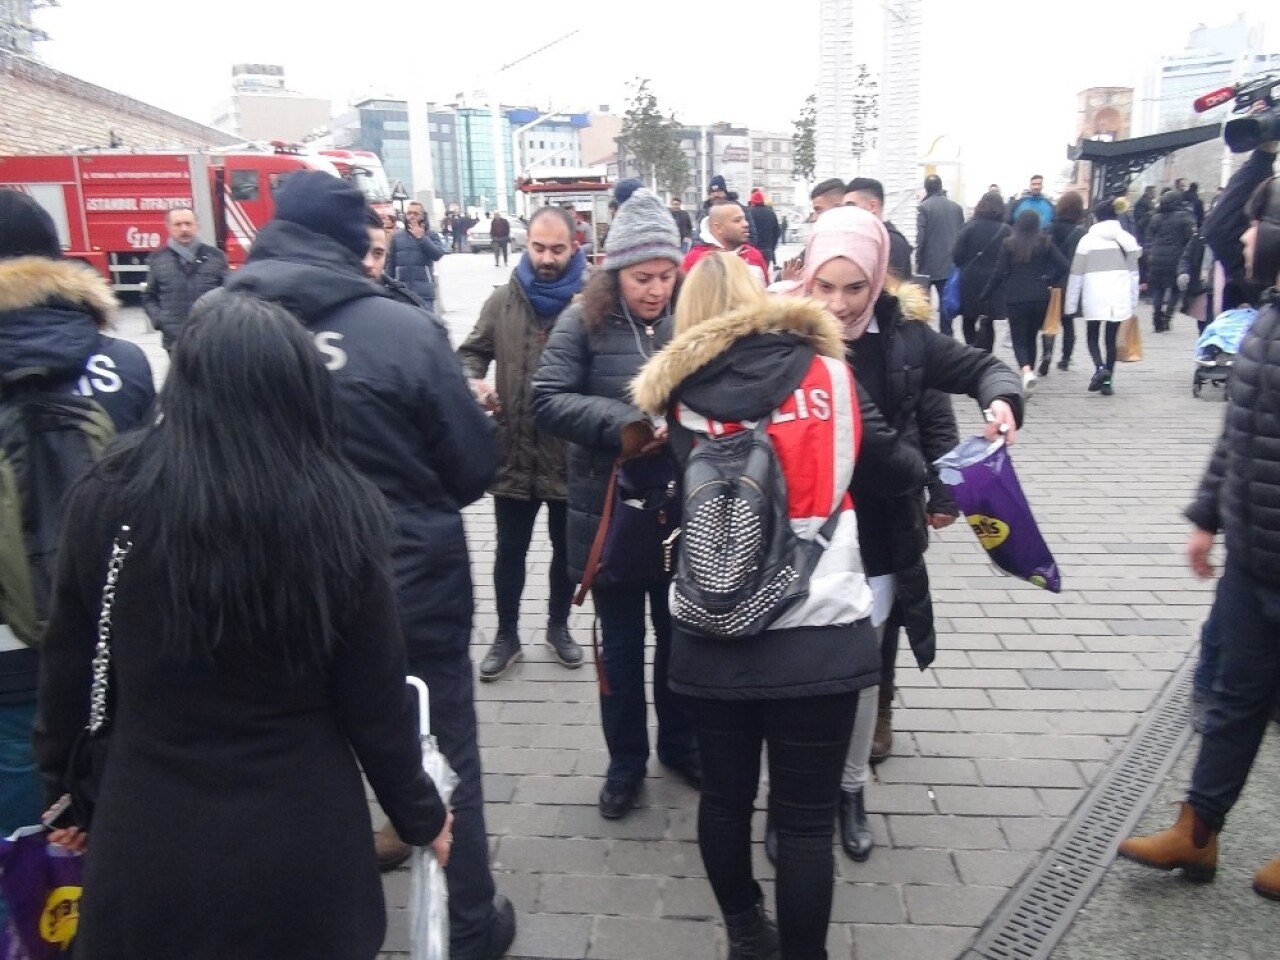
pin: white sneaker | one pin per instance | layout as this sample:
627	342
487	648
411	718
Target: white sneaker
1029	383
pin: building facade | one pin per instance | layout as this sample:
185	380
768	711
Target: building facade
262	107
773	167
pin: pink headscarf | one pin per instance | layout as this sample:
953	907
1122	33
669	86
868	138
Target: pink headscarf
856	235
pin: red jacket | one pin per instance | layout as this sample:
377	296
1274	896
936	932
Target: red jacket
747	252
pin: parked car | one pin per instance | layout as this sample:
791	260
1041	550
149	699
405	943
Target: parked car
478	236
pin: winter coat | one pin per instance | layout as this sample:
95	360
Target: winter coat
749	254
1041	205
582	394
174	285
1240	492
913	358
500	228
1028	282
782	361
51	315
764	224
1104	275
232	819
1227	220
683	223
411	261
976	251
1166	236
532	464
706	212
899	253
1142	213
409	420
938	223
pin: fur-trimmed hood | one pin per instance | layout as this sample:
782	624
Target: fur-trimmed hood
914	304
27	282
805	321
50	315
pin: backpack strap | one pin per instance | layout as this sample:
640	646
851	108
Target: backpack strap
597	545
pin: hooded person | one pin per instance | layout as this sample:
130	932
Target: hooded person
53	314
727	229
897	358
1163	241
764	224
412	426
581	393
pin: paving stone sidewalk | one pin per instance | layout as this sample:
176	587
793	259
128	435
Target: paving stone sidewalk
1031	696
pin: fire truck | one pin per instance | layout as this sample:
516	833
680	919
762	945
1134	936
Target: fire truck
110	206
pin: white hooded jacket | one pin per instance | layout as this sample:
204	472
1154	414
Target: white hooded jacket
1104	274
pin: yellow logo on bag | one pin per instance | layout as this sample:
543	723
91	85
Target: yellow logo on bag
61	916
991	532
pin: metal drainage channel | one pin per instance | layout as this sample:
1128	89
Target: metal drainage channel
1036	915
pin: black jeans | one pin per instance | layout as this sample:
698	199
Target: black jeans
808	739
515	519
1068	338
1092	331
889	644
979	331
1025	321
1246	615
944	322
623	710
1159	291
453	722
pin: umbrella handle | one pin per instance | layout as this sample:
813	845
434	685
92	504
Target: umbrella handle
424	705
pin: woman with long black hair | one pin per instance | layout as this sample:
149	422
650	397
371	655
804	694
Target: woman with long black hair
976	251
1028	265
256	659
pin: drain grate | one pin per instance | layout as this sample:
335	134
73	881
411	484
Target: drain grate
1038	912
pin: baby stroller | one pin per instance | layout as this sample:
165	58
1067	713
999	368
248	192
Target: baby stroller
1217	347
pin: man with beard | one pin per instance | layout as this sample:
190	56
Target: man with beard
511	332
726	230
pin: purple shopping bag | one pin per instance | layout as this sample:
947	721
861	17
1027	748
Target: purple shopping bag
41	884
981	477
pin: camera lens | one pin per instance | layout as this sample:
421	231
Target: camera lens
1248	133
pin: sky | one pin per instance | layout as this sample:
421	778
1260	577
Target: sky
999	76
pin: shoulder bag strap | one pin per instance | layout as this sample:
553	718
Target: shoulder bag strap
102	653
597	545
983	252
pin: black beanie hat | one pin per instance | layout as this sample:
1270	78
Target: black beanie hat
26	229
327	205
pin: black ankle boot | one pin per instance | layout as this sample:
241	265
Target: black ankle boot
752	934
855	832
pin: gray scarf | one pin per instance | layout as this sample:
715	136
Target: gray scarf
185	253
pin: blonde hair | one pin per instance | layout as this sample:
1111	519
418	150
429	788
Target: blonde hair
717	284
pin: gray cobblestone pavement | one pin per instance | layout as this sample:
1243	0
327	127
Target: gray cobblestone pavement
1031	696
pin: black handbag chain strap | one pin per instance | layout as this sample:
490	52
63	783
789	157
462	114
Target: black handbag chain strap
102	652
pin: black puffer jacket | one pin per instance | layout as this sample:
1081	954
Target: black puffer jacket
976	251
1240	492
409	421
913	358
174	284
411	260
1165	237
582	393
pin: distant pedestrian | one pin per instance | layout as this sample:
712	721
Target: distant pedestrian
413	254
1033	198
1103	288
938	223
1167	235
1028	265
783	227
683	223
179	274
1066	233
500	237
514	325
765	223
461	224
1143	210
582	393
976	251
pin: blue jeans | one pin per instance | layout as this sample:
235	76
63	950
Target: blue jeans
1247	619
21	790
623	710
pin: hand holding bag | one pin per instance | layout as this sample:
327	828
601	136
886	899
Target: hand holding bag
83	776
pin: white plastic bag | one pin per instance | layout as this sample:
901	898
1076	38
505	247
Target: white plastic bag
429	893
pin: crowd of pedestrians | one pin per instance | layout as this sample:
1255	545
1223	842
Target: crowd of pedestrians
284	530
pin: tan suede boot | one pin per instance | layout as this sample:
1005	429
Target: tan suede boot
1190	845
1266	882
882	739
391	850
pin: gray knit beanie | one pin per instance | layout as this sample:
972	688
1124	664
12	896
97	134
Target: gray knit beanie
642	229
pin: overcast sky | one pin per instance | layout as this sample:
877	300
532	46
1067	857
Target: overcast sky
999	75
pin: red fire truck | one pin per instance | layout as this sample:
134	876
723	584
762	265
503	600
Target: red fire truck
110	206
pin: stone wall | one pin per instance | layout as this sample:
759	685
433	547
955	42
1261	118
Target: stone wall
45	111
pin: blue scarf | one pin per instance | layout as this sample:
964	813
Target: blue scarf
549	298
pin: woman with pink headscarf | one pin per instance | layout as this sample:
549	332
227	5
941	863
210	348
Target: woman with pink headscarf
896	358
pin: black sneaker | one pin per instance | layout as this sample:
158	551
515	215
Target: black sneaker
1064	365
504	652
1098	376
564	646
1044	367
618	797
1106	386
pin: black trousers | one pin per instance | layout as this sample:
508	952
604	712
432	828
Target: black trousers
515	520
808	739
453	721
1160	290
500	249
1246	615
979	331
1025	321
944	322
1091	332
623	709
